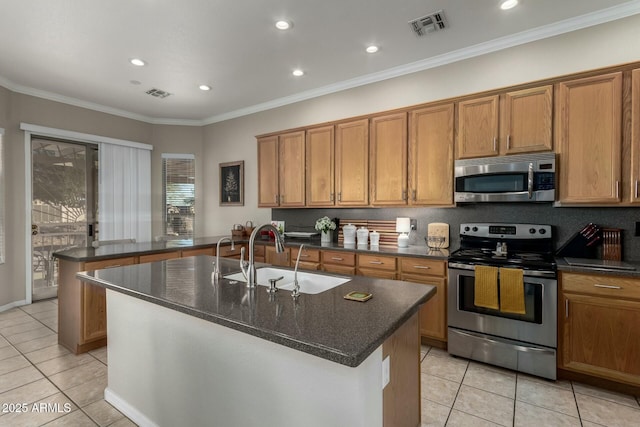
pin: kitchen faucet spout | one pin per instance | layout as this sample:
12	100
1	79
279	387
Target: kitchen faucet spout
251	269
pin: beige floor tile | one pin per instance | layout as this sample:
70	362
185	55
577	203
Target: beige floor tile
590	424
100	354
30	393
547	396
19	378
438	389
38	343
449	368
41	331
49	314
607	413
3	342
486	405
489	378
89	392
16	320
74	419
124	422
13	364
41	412
47	353
39	307
59	364
78	375
623	399
563	384
535	416
438	352
103	413
53	325
10	314
7	352
20	327
460	419
433	414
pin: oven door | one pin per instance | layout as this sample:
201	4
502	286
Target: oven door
538	325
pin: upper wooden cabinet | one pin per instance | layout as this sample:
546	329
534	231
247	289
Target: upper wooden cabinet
431	133
352	163
320	166
589	121
527	121
281	170
635	135
388	154
478	127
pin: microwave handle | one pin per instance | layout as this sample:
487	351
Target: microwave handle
530	181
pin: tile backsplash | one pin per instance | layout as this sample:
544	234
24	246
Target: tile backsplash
565	220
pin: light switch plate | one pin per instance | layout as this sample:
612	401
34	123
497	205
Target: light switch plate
386	376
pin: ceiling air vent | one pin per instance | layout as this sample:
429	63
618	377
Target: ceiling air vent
158	93
429	23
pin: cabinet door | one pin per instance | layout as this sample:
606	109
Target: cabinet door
433	314
319	153
478	127
292	166
431	155
589	120
274	258
526	124
635	135
598	339
94	313
388	160
268	185
352	163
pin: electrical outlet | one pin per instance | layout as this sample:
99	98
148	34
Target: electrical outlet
386	371
414	224
637	233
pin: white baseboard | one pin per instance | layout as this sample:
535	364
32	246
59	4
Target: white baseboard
129	411
13	305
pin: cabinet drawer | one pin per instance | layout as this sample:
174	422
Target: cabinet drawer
339	269
601	285
107	263
226	251
194	252
339	258
378	262
159	257
423	266
308	255
380	274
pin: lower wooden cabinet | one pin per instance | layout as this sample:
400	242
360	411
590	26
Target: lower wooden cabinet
309	258
339	262
281	259
599	326
383	267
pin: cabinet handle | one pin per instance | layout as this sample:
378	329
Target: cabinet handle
617	189
607	286
424	267
335	258
404	195
414	195
636	188
331	197
276	198
304	256
508	142
114	266
566	308
340	196
376	262
495	142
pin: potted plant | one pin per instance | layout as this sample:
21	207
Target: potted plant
325	226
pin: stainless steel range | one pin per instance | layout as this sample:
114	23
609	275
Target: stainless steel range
522	342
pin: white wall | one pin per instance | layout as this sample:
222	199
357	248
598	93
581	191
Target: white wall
604	45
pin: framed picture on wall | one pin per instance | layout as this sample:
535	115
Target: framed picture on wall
232	183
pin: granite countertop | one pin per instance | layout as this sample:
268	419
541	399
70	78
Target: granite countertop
564	266
146	248
325	324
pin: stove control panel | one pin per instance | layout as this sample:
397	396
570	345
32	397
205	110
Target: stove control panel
506	231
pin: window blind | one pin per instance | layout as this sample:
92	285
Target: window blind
178	172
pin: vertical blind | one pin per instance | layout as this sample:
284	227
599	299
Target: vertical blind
178	174
2	200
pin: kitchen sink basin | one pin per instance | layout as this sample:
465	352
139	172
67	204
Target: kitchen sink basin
310	283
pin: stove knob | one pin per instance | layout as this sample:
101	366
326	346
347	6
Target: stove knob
532	231
474	229
542	231
466	229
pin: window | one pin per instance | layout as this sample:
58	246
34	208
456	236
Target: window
179	195
2	203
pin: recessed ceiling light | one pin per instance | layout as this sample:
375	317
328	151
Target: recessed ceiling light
137	62
135	82
508	4
372	49
298	73
204	87
283	25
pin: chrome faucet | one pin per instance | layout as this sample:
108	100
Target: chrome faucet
217	275
250	271
296	286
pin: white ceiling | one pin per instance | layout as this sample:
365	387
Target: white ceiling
78	51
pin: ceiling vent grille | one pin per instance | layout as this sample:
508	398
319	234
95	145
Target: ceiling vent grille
429	23
158	93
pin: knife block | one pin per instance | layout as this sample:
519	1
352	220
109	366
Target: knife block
612	244
578	246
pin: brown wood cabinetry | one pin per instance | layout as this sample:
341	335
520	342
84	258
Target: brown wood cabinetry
527	120
430	161
352	163
258	253
380	266
433	315
598	335
228	252
478	127
159	257
281	170
635	135
320	166
309	258
282	259
388	160
268	172
589	122
339	262
195	252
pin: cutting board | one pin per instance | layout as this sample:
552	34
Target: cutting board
438	230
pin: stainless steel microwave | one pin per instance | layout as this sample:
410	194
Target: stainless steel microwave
521	178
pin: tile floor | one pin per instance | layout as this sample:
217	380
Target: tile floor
34	369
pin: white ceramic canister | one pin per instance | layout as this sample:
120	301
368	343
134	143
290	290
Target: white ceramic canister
349	233
374	238
363	236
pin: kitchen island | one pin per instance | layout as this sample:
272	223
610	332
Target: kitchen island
185	351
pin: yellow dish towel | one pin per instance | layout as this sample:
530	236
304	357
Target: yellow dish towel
511	291
486	287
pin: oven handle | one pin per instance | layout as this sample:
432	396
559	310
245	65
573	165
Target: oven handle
514	346
530	181
529	273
